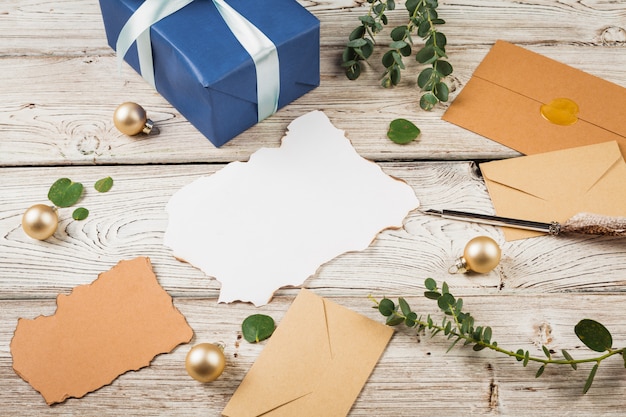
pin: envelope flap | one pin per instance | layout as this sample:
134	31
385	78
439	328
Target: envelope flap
555	175
315	363
542	79
290	364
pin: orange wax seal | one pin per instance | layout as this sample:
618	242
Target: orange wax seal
560	111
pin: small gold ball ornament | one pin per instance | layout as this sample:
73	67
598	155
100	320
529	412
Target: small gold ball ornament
481	255
40	221
205	362
131	119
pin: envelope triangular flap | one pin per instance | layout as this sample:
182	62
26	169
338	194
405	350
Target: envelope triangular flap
543	79
554	175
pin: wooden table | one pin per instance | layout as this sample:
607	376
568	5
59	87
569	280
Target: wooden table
58	90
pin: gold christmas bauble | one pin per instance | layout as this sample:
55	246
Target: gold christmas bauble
40	221
205	362
131	119
481	254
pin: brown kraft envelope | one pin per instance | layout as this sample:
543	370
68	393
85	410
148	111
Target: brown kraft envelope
502	102
315	364
554	186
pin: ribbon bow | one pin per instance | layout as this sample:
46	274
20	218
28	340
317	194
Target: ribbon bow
256	43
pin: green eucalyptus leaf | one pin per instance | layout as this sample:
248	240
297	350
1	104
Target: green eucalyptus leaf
428	101
425	54
391	4
399	33
394	75
387	59
397	44
546	352
353	72
411	5
440	40
404	306
386	307
567	356
487	335
348	54
445	301
526	358
402	131
594	335
398	59
423	28
443	67
430	284
431	13
520	355
367	49
64	192
424	77
356	43
103	185
80	213
410	319
367	20
406	51
589	381
394	320
439	53
459	307
257	327
540	371
358	32
478	348
432	295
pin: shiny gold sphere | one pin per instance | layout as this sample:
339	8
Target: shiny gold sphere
40	221
131	119
205	362
481	254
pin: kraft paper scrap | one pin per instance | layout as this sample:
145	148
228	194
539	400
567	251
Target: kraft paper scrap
118	323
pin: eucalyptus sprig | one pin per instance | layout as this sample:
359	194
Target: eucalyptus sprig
424	21
459	326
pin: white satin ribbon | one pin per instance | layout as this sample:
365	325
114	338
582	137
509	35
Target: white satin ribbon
256	43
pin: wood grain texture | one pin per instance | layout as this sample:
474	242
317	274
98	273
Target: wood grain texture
415	377
58	89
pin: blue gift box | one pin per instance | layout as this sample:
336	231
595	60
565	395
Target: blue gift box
203	70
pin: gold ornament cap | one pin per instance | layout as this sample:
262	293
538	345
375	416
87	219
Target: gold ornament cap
131	119
40	221
205	362
481	255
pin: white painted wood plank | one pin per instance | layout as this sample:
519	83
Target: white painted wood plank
415	377
130	221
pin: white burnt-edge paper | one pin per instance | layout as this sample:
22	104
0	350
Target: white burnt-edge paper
271	222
